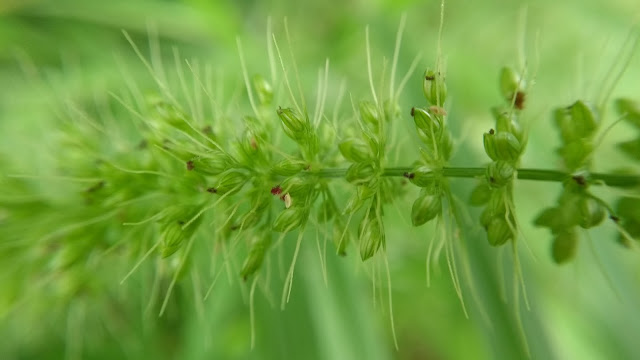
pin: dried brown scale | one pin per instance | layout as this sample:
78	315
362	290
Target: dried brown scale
96	187
520	99
579	179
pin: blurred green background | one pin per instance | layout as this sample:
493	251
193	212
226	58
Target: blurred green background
73	51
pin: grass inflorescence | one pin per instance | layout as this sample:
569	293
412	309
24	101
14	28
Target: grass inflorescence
196	179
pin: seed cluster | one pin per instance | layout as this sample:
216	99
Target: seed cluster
430	122
504	145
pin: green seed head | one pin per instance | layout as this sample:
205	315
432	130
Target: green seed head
299	188
576	154
424	177
563	121
251	219
263	89
430	125
391	110
584	119
214	163
250	149
502	145
485	217
260	201
370	114
579	121
499	231
172	233
425	208
291	219
292	123
431	131
231	181
564	246
363	193
360	173
289	167
499	173
568	213
496	205
434	88
165	115
356	150
172	238
506	121
371	236
549	218
446	145
510	83
258	248
591	212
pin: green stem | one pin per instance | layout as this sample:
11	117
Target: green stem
617	180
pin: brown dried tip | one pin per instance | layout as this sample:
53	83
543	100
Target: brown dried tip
491	131
212	190
438	110
96	187
190	165
579	179
519	101
409	175
412	111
